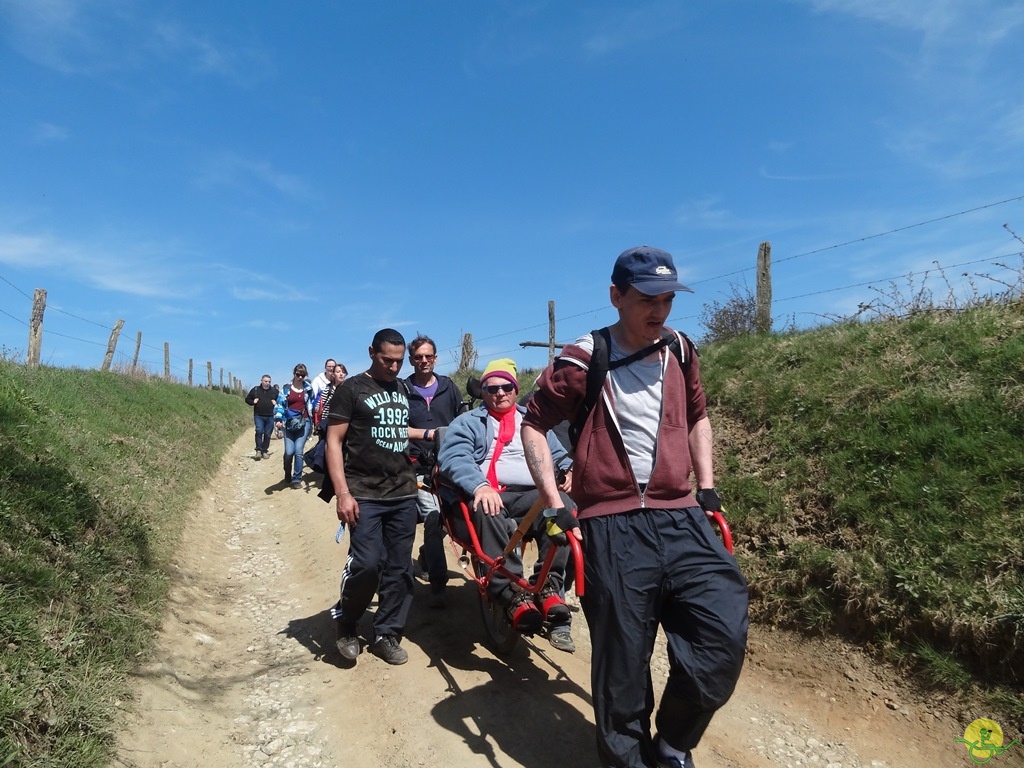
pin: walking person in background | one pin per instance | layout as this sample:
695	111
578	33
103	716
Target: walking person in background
371	473
324	378
322	401
263	399
434	400
294	413
651	556
315	458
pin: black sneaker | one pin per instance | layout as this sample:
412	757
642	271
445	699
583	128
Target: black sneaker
387	648
671	762
560	637
348	644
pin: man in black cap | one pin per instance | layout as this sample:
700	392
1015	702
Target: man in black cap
650	554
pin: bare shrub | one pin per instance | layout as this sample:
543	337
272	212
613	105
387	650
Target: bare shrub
734	317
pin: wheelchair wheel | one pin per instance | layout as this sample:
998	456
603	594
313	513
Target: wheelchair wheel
500	635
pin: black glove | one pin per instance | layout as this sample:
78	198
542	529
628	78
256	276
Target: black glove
557	523
708	500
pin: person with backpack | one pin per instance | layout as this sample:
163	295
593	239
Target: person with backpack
641	430
294	414
263	398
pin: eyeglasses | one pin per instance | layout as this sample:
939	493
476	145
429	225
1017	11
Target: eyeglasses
503	388
423	358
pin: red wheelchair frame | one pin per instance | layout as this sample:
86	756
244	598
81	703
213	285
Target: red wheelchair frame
480	567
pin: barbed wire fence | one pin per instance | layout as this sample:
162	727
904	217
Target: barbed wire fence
921	276
171	368
153	361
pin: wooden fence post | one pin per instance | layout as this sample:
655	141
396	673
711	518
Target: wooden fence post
551	344
167	361
112	345
763	301
209	375
190	371
551	332
35	328
138	346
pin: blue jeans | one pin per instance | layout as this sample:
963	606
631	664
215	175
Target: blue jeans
264	429
294	446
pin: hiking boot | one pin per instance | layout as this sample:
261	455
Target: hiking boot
296	485
561	638
348	643
552	606
259	454
523	614
387	648
436	599
671	762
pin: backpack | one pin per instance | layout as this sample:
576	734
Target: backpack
600	365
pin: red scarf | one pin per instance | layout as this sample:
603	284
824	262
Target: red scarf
506	431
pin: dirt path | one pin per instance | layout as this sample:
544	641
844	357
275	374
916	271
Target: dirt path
245	672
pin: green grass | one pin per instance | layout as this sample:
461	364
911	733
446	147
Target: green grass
97	469
872	473
875	479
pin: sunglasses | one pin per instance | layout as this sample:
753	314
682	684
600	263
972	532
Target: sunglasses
503	388
423	358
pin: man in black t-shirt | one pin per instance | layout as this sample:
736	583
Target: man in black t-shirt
369	466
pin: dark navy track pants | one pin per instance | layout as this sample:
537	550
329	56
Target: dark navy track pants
654	567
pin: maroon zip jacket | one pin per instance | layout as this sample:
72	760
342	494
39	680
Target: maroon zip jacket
602	480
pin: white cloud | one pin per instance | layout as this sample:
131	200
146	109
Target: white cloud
88	37
705	212
48	133
134	269
230	169
629	27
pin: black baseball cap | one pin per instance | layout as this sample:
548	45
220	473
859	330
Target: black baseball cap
650	270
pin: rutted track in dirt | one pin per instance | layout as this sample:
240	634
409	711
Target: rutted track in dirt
245	673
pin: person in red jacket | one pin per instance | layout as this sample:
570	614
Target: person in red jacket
650	555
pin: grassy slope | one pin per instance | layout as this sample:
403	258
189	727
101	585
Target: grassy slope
875	477
96	470
872	475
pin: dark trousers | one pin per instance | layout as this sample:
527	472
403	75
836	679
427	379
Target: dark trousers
433	535
264	429
379	561
494	533
660	567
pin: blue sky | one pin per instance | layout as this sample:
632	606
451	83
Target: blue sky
262	183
